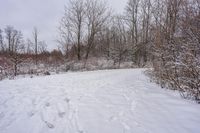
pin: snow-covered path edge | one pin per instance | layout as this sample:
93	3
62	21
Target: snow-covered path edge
109	101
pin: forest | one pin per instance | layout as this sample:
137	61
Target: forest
161	35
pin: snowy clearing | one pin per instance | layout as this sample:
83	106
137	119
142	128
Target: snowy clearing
110	101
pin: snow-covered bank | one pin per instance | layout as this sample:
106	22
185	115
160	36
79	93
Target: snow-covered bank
109	101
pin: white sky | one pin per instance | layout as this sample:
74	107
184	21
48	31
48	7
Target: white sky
44	14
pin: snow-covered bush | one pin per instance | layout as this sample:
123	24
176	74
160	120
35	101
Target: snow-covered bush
177	55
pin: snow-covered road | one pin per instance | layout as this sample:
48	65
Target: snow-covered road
115	101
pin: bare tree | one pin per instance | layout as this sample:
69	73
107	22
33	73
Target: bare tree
65	37
145	38
132	11
42	47
17	44
97	14
9	34
72	24
14	39
35	36
17	41
1	41
64	46
119	40
29	47
173	8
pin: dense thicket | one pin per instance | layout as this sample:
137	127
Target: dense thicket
176	47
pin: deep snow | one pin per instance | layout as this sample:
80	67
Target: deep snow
110	101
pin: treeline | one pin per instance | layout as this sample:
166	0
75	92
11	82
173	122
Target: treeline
17	52
89	28
165	33
12	41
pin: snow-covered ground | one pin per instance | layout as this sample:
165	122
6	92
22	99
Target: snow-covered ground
110	101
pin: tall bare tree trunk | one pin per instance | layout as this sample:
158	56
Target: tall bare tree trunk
35	35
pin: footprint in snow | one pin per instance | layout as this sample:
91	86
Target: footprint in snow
80	131
30	114
67	100
61	114
47	104
112	118
49	125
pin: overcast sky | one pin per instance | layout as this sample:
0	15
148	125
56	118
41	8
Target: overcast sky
44	14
